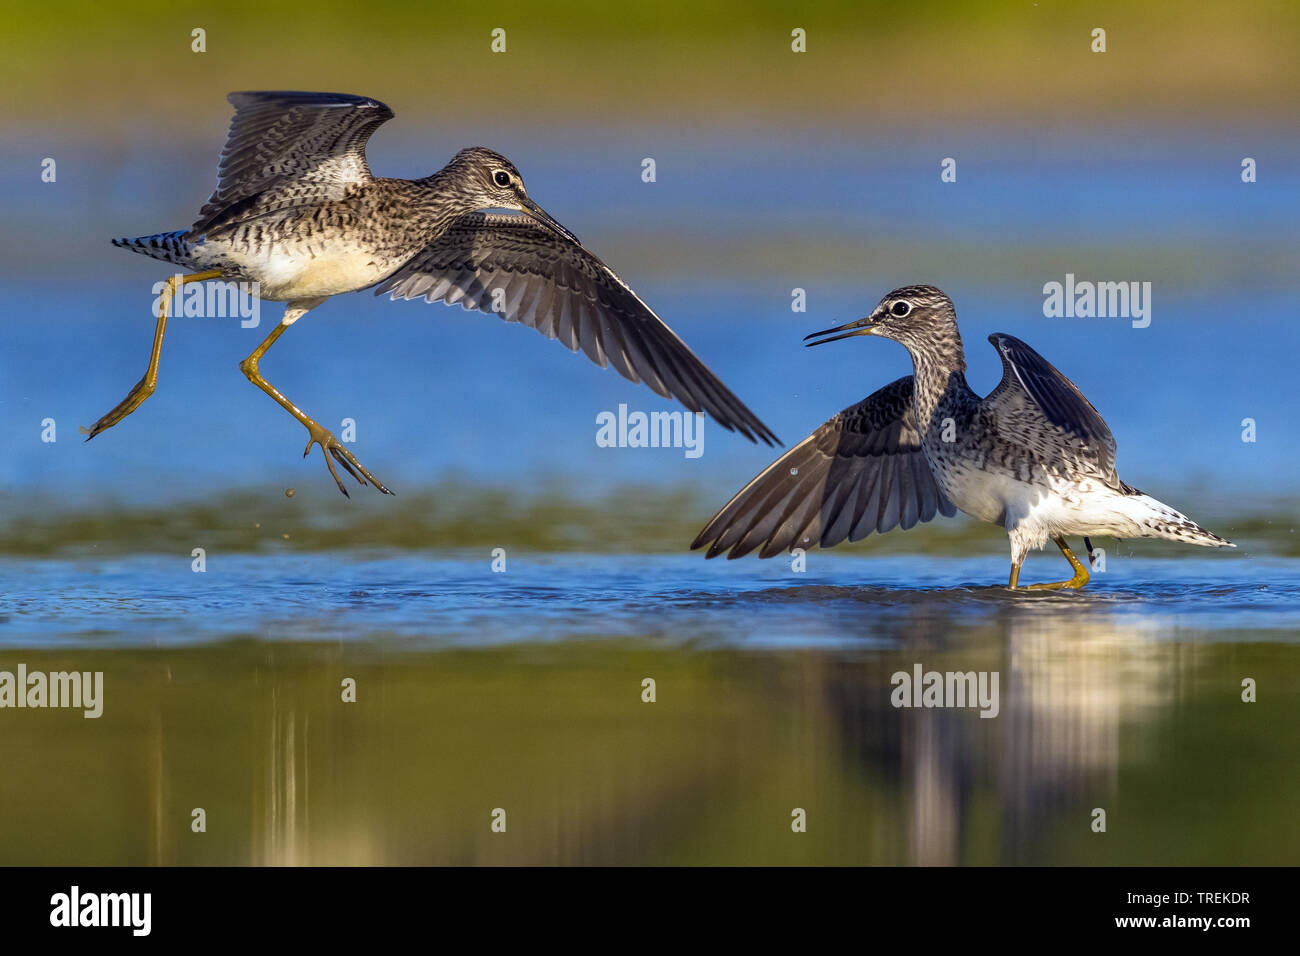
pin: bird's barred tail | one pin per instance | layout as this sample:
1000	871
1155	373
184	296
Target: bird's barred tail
1158	520
168	246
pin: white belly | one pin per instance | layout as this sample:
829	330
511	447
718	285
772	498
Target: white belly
984	495
1084	506
307	272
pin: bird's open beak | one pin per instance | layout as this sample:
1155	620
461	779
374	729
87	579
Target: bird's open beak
547	220
860	327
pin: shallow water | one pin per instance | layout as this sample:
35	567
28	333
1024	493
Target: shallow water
431	603
522	691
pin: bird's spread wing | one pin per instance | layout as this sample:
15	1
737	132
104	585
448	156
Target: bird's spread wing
280	142
862	471
526	273
1070	416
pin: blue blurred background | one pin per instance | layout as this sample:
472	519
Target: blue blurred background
716	246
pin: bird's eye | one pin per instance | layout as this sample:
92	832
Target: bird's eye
901	308
501	177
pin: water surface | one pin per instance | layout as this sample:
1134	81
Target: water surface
523	691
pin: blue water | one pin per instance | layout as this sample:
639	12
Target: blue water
437	392
733	224
1046	184
436	602
716	245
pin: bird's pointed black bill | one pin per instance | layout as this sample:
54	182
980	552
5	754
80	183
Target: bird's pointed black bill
549	221
847	331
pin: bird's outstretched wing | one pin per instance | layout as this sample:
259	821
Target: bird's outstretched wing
1061	418
519	269
284	146
862	471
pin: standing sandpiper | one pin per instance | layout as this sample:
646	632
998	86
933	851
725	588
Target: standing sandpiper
297	210
1033	456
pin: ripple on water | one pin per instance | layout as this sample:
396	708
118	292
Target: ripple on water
153	600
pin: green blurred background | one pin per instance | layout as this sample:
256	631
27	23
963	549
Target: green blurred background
687	62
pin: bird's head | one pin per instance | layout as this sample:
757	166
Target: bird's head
920	317
481	178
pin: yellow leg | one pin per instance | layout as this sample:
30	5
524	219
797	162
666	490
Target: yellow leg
1078	580
319	435
145	387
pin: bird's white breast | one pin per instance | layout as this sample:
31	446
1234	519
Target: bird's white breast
301	271
984	495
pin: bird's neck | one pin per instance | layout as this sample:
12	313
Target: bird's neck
437	183
939	376
436	204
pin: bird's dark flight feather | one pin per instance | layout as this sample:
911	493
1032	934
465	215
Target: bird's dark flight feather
512	265
862	471
1064	409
